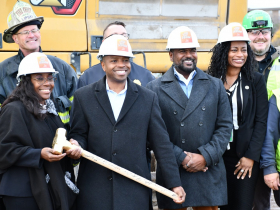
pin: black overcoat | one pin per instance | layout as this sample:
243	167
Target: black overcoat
122	142
202	124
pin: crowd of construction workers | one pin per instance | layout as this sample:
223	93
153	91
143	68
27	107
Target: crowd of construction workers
214	134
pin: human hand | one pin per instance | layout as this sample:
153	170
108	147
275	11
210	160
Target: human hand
197	163
272	181
74	153
47	154
244	166
181	194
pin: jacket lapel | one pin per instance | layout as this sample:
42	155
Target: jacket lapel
173	89
130	98
200	88
246	86
103	99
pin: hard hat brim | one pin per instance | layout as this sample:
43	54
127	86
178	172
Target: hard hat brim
8	33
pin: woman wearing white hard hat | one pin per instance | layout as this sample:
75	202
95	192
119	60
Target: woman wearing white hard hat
33	177
233	62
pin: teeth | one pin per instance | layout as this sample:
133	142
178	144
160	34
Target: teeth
45	91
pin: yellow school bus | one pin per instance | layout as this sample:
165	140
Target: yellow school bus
73	29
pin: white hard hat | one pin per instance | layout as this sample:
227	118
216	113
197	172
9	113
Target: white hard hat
233	32
22	13
182	37
36	62
115	45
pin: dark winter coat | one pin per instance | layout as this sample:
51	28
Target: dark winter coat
122	142
201	124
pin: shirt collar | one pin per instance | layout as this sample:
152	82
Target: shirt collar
180	77
123	91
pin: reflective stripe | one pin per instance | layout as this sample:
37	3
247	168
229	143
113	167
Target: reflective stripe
273	80
277	152
71	99
64	116
277	95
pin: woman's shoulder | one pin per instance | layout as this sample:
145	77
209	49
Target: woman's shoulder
14	107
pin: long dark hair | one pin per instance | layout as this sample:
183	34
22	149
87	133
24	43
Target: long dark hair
219	62
26	93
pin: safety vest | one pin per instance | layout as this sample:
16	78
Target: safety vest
277	152
65	116
273	80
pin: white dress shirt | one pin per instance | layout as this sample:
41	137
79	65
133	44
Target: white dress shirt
116	99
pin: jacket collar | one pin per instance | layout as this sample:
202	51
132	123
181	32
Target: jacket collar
172	88
103	99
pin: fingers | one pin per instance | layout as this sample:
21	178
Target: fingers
75	153
47	154
181	195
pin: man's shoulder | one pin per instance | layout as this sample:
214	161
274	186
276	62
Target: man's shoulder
85	90
10	59
92	70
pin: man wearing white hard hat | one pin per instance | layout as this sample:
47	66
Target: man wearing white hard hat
197	115
114	118
233	62
24	30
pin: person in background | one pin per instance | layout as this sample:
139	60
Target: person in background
24	30
259	26
138	74
233	62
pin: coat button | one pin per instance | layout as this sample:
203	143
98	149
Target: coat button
110	178
215	164
115	130
182	124
200	124
203	108
175	112
183	141
114	153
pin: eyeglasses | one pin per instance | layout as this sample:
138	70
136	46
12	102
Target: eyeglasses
257	32
126	35
26	33
42	80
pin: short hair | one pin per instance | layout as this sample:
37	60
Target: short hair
119	23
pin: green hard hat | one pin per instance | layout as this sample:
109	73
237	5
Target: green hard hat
257	19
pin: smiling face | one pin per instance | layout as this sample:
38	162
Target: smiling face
184	60
237	54
260	43
117	68
44	88
28	43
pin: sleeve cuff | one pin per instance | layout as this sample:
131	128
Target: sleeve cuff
269	170
206	156
181	158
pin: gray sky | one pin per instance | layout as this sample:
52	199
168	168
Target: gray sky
263	4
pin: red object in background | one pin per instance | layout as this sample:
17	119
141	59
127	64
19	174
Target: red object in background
72	11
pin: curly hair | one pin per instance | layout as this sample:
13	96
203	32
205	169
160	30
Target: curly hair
219	62
26	93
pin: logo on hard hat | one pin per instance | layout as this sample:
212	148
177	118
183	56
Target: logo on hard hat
43	62
186	37
122	45
237	31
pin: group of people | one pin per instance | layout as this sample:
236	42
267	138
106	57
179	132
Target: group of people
214	134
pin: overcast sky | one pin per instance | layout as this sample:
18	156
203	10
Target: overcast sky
263	4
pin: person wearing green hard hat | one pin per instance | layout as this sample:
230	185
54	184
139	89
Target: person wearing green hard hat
259	26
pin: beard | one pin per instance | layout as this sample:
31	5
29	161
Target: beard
260	52
184	69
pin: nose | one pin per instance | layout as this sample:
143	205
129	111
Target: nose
30	35
121	63
260	35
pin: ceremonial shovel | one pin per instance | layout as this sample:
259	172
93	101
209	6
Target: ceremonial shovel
60	142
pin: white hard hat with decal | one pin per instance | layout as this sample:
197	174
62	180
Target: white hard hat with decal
22	13
182	37
233	32
36	62
115	45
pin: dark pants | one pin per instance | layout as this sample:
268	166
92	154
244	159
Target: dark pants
262	195
24	203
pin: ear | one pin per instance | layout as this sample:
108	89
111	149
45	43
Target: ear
103	65
171	56
15	38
